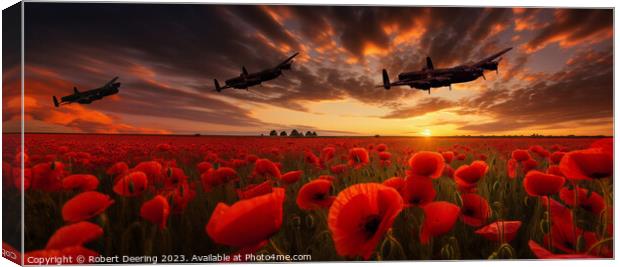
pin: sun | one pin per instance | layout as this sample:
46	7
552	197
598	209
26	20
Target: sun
426	132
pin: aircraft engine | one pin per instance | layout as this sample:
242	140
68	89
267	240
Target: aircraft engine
287	66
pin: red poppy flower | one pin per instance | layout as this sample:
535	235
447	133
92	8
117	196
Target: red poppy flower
555	170
82	182
179	197
216	177
564	235
266	168
461	157
251	158
512	168
521	155
381	147
17	181
156	211
327	177
475	210
589	201
152	169
559	212
529	165
204	166
174	177
85	206
338	169
255	190
494	231
117	169
556	157
418	191
76	234
539	150
328	153
66	255
439	218
397	183
312	159
425	163
543	253
448	156
587	164
131	185
360	216
358	157
291	177
48	176
605	144
471	174
247	222
541	184
385	155
315	195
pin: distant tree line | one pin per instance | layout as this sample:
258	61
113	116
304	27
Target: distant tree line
294	133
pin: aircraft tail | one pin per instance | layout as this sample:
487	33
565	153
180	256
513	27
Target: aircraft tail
429	63
386	80
75	90
56	104
217	85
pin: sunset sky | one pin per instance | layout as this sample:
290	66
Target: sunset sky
557	80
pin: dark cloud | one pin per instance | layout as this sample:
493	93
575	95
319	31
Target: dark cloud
571	26
583	90
453	34
425	106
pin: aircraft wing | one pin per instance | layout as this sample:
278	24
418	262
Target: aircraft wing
491	58
288	59
112	81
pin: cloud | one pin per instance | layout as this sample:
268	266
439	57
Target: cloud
581	91
574	26
423	107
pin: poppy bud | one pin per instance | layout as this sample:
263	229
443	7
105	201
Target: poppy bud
505	251
544	225
296	222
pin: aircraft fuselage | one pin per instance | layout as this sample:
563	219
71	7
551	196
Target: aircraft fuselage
245	81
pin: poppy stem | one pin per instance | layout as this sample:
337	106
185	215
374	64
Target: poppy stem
550	245
604	212
575	206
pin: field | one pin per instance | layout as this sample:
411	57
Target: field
338	198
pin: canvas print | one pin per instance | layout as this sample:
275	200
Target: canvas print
201	133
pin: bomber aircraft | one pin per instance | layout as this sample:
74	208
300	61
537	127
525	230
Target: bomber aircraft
430	77
246	80
87	97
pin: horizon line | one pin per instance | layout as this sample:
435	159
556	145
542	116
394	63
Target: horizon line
319	136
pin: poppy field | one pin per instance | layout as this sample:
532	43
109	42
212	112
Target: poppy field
333	198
